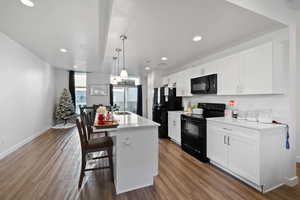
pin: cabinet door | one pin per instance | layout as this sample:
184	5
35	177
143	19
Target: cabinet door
229	75
217	149
171	126
243	157
183	85
256	70
178	128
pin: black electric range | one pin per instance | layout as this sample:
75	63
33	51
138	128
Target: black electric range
193	129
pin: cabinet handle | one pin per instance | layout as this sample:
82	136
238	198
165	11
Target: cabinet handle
227	129
228	140
224	139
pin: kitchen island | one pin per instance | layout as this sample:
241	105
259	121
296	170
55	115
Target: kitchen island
135	151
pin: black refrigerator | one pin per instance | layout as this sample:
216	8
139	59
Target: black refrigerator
164	100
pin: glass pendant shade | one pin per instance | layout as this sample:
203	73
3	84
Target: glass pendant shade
124	74
118	78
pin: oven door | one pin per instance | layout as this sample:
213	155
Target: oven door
200	85
193	133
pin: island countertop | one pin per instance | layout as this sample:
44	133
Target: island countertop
128	121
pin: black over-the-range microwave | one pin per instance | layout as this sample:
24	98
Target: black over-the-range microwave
204	84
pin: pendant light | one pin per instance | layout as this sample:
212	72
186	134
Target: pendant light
119	79
115	73
123	74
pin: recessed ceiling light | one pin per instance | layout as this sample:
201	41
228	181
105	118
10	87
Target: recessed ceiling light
164	58
27	3
75	66
147	68
197	38
63	50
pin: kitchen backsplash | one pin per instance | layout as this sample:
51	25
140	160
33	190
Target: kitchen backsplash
278	103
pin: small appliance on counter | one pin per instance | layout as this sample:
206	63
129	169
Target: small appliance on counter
193	129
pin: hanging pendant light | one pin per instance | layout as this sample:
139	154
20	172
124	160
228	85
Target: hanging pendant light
123	74
119	79
115	73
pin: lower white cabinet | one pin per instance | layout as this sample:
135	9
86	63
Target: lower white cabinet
174	126
251	154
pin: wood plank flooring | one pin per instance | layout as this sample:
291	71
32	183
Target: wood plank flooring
48	168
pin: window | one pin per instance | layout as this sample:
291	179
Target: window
127	95
80	89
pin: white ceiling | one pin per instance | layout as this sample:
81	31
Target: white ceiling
80	26
155	28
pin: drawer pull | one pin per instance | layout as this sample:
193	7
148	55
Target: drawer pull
227	129
224	139
228	141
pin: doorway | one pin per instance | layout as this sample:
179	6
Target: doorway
126	98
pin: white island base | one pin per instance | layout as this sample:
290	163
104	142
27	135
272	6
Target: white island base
135	152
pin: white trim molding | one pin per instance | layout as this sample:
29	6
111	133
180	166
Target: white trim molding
292	181
22	143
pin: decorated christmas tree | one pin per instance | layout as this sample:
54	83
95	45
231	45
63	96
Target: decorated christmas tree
65	107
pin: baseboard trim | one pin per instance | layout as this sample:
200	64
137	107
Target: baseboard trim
292	181
22	143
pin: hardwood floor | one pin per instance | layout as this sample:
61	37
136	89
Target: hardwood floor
49	167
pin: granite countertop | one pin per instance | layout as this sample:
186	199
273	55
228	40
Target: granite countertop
245	123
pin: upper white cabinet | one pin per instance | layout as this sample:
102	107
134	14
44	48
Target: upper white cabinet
258	70
183	84
256	75
229	75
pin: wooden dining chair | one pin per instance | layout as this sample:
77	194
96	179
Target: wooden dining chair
88	118
91	146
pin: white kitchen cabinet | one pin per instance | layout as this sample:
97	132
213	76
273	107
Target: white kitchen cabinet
256	70
240	145
229	75
174	126
183	84
217	146
248	151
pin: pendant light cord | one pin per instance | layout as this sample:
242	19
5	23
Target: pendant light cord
123	52
118	63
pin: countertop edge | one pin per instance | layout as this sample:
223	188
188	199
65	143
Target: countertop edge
221	120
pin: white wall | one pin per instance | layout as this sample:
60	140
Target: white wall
27	95
154	80
298	89
97	79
